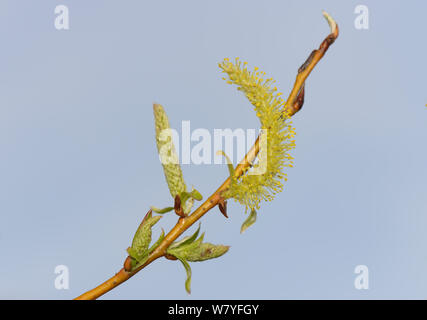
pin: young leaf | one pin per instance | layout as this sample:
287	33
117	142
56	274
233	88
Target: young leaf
183	196
161	211
249	221
229	163
187	199
188	271
206	251
157	243
141	261
196	250
185	240
196	195
185	249
193	249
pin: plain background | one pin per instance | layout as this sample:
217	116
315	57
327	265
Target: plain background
79	169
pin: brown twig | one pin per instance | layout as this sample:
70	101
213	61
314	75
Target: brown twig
293	105
312	60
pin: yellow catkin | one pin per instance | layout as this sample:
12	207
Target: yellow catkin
251	189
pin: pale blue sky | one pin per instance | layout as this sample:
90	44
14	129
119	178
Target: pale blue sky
79	168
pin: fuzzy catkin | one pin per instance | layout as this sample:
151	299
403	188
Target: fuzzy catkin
276	139
167	153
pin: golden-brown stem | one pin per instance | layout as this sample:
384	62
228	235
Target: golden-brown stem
292	106
182	225
315	56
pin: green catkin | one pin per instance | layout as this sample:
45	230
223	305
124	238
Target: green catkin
142	238
167	153
276	139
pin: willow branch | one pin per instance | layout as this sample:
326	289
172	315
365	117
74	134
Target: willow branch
294	103
306	68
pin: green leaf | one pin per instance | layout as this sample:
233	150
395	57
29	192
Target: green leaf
184	249
184	196
196	195
193	249
161	211
197	250
229	163
187	199
193	194
206	251
185	240
141	261
188	271
249	221
157	243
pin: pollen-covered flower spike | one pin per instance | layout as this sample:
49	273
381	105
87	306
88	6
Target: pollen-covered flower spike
264	179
